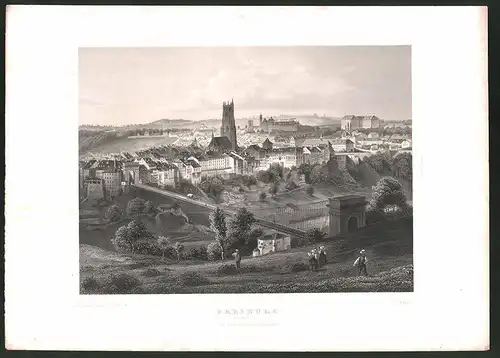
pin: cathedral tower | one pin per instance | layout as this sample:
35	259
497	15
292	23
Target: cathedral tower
228	127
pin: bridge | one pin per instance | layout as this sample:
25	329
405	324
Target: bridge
259	221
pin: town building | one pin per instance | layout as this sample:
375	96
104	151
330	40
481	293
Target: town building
278	125
228	126
220	144
94	189
267	144
351	122
274	243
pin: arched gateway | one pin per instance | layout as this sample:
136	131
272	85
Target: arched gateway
347	213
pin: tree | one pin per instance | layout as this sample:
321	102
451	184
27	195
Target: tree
388	192
135	206
290	185
137	229
310	190
114	213
262	197
240	228
315	235
213	251
164	243
124	239
273	189
148	207
218	226
179	248
319	174
305	169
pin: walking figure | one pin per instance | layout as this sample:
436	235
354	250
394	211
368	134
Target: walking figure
313	261
322	256
237	258
360	263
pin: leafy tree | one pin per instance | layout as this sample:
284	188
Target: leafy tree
240	228
114	213
273	189
319	174
135	206
164	243
277	170
262	196
305	169
388	192
124	239
137	229
218	226
213	251
315	235
290	185
179	248
310	190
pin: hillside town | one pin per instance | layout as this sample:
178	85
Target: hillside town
200	154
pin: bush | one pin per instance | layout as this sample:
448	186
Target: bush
203	252
124	282
213	251
135	206
297	241
149	247
227	269
290	185
90	283
192	279
114	213
315	235
296	267
310	190
151	272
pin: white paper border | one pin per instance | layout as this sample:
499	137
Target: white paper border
449	308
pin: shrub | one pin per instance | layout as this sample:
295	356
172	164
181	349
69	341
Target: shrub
114	213
203	252
90	283
135	206
124	282
315	235
192	279
214	251
149	247
151	272
227	269
290	185
296	267
310	190
297	241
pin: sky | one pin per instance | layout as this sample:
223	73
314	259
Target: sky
119	86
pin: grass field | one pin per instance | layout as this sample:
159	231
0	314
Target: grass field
389	249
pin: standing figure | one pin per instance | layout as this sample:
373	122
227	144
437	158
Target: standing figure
360	263
237	258
322	256
313	262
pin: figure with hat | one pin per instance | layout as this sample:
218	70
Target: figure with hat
237	258
313	260
322	256
360	263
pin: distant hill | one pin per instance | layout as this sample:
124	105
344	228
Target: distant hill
169	123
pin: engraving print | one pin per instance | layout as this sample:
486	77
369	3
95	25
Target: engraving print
245	170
